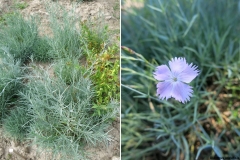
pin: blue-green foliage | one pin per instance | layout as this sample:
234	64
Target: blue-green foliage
20	37
52	108
10	83
61	114
57	114
205	33
66	40
16	123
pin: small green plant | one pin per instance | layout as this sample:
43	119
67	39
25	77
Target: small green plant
116	9
103	110
9	156
94	39
105	74
5	16
105	78
21	5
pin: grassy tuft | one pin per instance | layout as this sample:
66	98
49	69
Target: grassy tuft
62	115
10	83
70	71
66	39
16	123
21	38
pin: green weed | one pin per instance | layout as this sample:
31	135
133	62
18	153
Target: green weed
5	16
105	65
94	38
21	6
105	78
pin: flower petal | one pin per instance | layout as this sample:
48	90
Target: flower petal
177	65
189	73
182	92
162	73
164	89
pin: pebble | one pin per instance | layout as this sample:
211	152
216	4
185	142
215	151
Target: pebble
115	158
108	17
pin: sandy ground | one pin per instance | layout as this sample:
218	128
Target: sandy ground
109	11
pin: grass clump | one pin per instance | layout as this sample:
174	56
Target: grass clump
70	70
41	50
20	36
66	40
62	115
10	83
16	123
198	31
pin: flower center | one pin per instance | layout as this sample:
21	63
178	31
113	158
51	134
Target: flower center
174	79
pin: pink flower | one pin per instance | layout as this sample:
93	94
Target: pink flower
173	81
